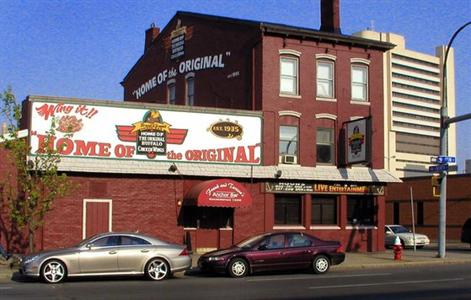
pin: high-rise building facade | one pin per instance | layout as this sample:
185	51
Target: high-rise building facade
412	95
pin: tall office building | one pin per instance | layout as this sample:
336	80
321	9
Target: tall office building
413	93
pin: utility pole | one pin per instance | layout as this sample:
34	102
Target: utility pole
445	123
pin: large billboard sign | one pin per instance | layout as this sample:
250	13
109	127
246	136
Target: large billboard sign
133	133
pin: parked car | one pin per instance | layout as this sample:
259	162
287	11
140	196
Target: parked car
274	251
466	232
112	253
4	254
405	236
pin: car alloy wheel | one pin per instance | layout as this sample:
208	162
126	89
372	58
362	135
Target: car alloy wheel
53	271
238	267
157	269
320	264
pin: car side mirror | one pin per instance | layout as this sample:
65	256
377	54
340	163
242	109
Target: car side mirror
89	246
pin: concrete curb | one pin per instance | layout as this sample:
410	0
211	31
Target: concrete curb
6	273
400	264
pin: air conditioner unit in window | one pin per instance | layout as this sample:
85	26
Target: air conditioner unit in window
289	159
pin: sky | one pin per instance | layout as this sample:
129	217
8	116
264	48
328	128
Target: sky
83	49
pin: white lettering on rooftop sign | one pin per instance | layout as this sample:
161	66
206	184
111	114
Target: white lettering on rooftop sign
190	65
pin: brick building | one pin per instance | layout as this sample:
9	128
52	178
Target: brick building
426	206
229	128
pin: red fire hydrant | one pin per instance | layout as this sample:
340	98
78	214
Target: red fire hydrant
397	249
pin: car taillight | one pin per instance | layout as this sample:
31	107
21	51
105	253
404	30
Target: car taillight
184	253
340	249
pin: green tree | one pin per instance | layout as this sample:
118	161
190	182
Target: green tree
33	182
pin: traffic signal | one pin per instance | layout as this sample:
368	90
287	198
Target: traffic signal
436	181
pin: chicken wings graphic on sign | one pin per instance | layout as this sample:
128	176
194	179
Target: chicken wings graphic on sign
151	135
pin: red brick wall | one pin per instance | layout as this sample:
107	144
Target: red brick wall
458	207
308	106
227	87
147	205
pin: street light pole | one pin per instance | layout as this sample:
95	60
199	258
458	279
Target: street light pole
445	122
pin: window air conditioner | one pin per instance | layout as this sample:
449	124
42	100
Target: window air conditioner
289	159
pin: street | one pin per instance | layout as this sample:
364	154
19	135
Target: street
449	281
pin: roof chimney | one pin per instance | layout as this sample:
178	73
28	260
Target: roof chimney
330	16
151	35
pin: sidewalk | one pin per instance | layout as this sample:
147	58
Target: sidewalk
456	253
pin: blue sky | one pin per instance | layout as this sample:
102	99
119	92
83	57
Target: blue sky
83	49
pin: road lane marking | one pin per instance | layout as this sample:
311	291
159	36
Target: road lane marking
318	277
5	287
382	283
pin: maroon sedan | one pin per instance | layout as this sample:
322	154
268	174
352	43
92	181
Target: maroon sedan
274	251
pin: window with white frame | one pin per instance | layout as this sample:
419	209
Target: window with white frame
288	140
325	145
190	91
359	82
171	89
288	75
325	79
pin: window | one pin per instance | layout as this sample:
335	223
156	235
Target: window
109	241
325	79
298	240
324	210
276	241
288	140
396	213
289	75
206	217
360	210
420	213
325	145
171	93
287	210
359	83
190	91
132	240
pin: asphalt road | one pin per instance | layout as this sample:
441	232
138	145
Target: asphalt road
432	282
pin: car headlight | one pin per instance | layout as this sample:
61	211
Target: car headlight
215	258
30	259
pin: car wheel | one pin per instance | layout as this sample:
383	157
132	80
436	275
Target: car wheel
53	271
157	269
320	264
238	267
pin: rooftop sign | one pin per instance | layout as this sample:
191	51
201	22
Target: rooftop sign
114	132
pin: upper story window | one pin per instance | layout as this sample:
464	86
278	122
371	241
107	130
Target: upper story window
325	78
190	91
289	72
359	82
325	145
171	92
359	75
288	145
289	75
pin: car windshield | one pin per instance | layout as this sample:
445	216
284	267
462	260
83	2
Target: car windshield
250	242
399	229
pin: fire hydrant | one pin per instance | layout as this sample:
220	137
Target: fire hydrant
397	249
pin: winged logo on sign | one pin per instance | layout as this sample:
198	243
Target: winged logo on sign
151	135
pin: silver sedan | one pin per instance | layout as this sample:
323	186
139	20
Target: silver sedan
111	253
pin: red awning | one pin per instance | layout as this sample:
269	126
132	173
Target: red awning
219	193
